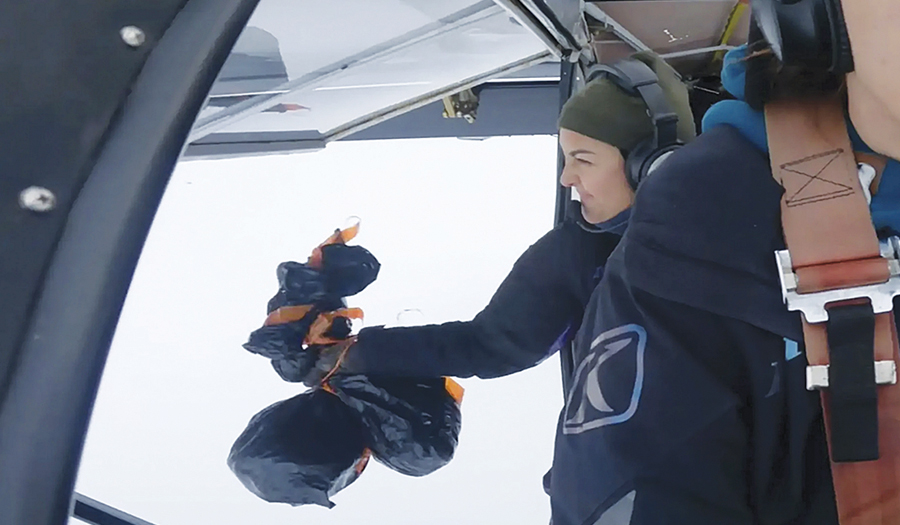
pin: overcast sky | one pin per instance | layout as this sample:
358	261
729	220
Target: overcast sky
446	217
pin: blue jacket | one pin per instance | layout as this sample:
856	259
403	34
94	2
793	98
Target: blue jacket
535	312
689	403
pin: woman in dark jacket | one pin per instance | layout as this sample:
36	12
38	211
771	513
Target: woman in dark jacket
689	403
539	306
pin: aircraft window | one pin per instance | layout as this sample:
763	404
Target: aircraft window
446	218
321	66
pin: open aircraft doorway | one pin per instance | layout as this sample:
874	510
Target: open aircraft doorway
240	84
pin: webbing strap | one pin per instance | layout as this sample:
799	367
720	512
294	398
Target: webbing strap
854	400
867	493
832	243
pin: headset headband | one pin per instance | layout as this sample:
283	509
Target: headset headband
637	78
808	32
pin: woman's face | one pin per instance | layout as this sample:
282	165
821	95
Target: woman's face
874	86
597	172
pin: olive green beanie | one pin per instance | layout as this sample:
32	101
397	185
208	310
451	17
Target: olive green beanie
603	111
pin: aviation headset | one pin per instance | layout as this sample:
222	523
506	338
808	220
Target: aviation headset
637	78
810	33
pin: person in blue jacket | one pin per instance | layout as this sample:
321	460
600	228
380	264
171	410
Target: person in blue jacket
689	401
539	306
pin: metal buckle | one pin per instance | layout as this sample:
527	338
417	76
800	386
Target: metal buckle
817	375
813	304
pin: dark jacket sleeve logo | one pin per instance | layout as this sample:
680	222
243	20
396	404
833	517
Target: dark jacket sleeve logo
608	381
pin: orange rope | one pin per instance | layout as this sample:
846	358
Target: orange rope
338	237
287	314
347	344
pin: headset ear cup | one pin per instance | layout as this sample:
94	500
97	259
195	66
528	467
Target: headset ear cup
842	54
758	77
636	162
766	27
643	162
808	33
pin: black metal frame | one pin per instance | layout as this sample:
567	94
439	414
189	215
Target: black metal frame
567	74
53	369
556	25
96	513
553	15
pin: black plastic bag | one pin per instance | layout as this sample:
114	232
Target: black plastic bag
297	284
295	368
281	341
320	287
412	424
344	271
348	269
302	450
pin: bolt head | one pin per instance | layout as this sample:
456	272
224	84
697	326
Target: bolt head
37	199
133	36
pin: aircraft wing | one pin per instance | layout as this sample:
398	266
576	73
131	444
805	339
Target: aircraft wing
306	73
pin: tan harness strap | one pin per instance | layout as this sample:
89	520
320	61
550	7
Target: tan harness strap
823	200
868	493
833	246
